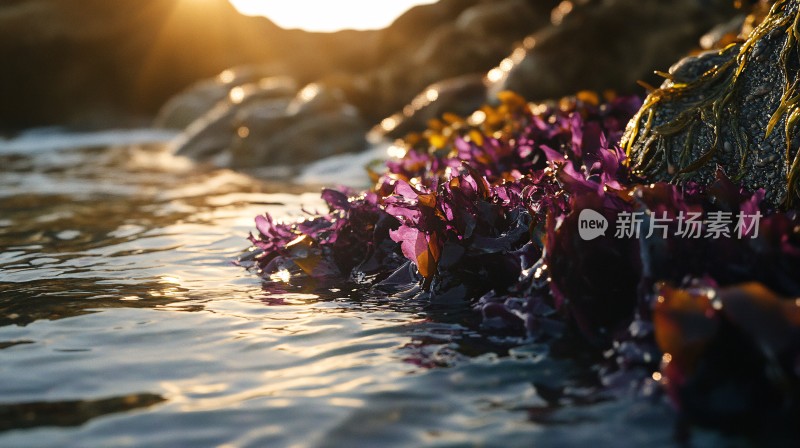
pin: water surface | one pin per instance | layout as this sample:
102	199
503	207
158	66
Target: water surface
124	322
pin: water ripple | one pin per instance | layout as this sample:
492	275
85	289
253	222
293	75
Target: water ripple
124	322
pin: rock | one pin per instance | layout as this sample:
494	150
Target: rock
256	126
412	29
210	134
610	44
98	64
451	40
209	138
735	108
300	141
479	36
186	107
317	123
723	34
446	40
461	95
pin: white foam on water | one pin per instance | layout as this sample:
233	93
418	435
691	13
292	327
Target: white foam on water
49	161
347	170
55	139
56	154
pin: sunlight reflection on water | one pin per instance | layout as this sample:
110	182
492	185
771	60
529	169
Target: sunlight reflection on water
123	321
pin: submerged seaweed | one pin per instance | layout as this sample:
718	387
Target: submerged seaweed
485	211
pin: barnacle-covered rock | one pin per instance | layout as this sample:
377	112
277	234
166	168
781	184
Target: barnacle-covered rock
737	107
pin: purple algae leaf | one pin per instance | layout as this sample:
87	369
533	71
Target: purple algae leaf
420	248
337	200
412	241
264	224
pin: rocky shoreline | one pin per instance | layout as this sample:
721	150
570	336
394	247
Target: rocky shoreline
94	65
443	58
556	222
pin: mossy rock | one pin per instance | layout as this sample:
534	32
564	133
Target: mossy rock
737	108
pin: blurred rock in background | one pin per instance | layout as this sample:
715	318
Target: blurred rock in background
611	44
99	63
230	80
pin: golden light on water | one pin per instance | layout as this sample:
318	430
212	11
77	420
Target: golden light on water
326	15
281	276
237	95
395	151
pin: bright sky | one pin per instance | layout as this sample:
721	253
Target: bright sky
328	15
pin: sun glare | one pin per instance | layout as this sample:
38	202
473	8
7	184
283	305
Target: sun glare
327	15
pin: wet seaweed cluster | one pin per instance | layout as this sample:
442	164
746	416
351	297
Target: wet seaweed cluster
487	211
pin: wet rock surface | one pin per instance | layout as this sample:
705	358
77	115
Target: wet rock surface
250	83
734	108
268	123
461	95
426	53
433	43
585	45
318	122
601	45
